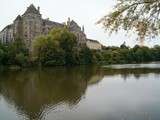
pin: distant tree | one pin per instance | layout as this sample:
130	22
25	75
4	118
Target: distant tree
156	53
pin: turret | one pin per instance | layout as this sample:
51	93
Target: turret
83	28
69	21
38	8
32	10
32	24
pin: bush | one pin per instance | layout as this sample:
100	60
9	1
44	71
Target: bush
21	59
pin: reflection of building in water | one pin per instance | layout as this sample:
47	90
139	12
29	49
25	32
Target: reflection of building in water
35	92
95	79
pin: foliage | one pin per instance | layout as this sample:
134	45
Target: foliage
68	43
86	56
59	47
47	51
124	55
141	16
21	59
14	53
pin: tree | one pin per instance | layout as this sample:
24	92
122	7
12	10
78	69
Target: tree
2	54
17	53
56	48
141	16
21	59
86	56
67	42
156	53
47	51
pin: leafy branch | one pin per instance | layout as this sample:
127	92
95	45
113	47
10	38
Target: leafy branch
141	16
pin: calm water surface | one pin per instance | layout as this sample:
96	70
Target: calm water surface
81	93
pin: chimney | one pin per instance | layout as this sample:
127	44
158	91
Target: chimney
38	8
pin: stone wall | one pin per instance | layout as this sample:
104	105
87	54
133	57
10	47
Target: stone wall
32	27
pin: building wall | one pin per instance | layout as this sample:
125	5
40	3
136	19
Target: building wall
32	27
48	25
0	37
18	28
78	31
94	45
7	35
10	37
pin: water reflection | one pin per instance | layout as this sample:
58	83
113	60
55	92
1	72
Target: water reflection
34	92
125	73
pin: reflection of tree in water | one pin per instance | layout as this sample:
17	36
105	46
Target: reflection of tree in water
34	91
125	73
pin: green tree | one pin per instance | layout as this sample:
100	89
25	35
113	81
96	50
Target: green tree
68	42
156	53
16	51
2	54
21	59
86	56
47	52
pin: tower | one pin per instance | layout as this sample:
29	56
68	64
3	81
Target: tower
32	24
68	21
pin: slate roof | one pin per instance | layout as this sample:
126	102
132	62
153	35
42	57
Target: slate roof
48	22
73	23
8	27
74	26
18	17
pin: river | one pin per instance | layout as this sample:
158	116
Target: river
119	92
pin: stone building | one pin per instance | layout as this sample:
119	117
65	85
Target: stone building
6	35
93	44
31	24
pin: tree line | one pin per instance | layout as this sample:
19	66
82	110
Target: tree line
127	55
60	48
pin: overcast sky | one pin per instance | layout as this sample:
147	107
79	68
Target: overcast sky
84	12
